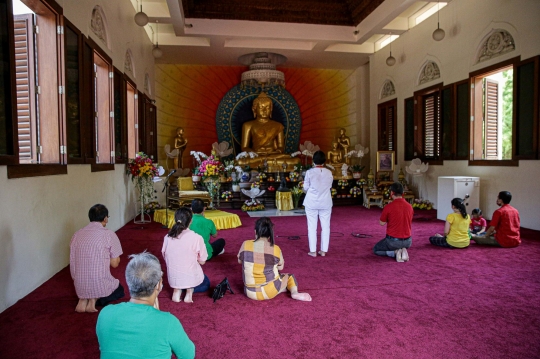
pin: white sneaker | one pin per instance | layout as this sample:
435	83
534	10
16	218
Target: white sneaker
398	253
404	255
222	251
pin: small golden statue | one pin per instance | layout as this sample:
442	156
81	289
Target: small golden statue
334	155
264	136
344	144
180	143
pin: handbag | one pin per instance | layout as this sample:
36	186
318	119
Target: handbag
221	289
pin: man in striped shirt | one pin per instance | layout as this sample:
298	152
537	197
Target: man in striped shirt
93	250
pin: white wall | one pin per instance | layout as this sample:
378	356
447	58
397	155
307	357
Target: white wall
466	23
40	214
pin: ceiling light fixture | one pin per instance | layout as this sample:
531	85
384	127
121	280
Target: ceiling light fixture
156	51
262	70
438	34
390	60
141	18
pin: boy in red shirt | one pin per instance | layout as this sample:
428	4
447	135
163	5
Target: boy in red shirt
397	215
504	226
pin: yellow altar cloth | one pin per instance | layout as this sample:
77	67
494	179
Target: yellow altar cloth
222	220
284	201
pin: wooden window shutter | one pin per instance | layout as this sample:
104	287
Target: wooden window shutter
387	126
409	129
432	125
491	119
25	82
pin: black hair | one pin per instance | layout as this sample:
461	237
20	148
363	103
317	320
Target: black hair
98	213
197	205
458	203
397	188
476	211
319	157
182	219
264	228
505	196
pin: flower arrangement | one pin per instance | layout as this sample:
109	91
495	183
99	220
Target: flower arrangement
296	193
294	176
151	207
271	189
142	171
262	176
333	191
301	184
355	191
211	167
142	166
422	204
252	205
226	195
361	182
255	185
343	183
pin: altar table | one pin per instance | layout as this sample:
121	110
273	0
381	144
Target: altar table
221	219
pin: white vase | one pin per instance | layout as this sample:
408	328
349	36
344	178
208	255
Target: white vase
236	188
196	178
357	175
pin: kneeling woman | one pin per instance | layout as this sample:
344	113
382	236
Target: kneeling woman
184	252
261	261
456	228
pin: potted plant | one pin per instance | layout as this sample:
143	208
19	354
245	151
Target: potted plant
236	184
357	171
195	176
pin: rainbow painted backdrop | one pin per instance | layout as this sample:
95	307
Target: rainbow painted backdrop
188	96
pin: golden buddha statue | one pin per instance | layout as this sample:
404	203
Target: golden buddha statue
180	143
344	143
334	155
264	136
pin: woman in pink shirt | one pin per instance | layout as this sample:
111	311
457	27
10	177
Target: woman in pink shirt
184	252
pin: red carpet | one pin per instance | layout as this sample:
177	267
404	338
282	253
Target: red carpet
479	302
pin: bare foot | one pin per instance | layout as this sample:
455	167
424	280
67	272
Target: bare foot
91	306
176	295
304	297
81	306
313	254
189	295
322	253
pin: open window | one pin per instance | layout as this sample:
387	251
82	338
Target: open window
492	128
103	115
423	124
38	81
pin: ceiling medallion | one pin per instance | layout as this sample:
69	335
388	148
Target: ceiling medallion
262	70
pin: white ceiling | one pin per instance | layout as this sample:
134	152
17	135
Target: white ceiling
222	42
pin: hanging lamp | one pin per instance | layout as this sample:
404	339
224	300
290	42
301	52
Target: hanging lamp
156	51
438	34
390	60
141	18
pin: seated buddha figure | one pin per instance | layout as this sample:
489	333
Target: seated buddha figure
335	158
264	136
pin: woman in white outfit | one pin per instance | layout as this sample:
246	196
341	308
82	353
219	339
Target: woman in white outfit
318	203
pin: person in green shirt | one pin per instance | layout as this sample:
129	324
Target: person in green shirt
138	329
206	228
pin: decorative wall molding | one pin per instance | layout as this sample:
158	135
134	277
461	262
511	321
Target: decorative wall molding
129	67
497	43
388	89
429	72
98	25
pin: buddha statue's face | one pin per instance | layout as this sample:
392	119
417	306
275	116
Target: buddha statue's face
180	131
334	145
263	109
342	131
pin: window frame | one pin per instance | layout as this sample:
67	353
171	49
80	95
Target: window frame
18	170
419	123
384	106
477	106
119	87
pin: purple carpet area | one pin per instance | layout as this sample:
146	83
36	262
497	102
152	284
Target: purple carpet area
478	302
